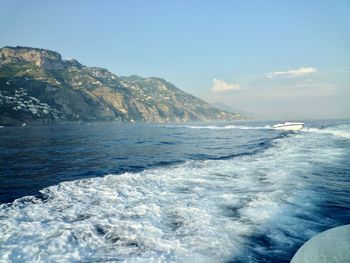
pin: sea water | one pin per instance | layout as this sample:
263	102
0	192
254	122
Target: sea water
233	192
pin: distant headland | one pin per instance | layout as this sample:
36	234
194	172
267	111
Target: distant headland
38	86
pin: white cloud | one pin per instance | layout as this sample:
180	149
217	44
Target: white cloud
221	86
292	73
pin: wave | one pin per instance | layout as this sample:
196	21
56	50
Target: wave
329	131
228	127
199	211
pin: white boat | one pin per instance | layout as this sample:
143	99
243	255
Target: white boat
289	126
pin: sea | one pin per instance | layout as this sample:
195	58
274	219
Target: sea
219	192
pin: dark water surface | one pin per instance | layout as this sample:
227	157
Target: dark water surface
238	192
36	157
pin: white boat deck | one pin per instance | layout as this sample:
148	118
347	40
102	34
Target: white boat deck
289	126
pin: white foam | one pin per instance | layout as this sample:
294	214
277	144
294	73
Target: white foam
229	127
200	211
330	131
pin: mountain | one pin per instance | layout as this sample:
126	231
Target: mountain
38	86
225	107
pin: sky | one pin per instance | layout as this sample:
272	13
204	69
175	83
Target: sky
275	59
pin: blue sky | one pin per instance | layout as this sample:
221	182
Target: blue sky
227	51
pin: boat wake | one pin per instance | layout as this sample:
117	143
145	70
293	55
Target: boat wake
229	127
199	211
339	131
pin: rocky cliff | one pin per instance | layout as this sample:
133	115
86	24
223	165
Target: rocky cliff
36	85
